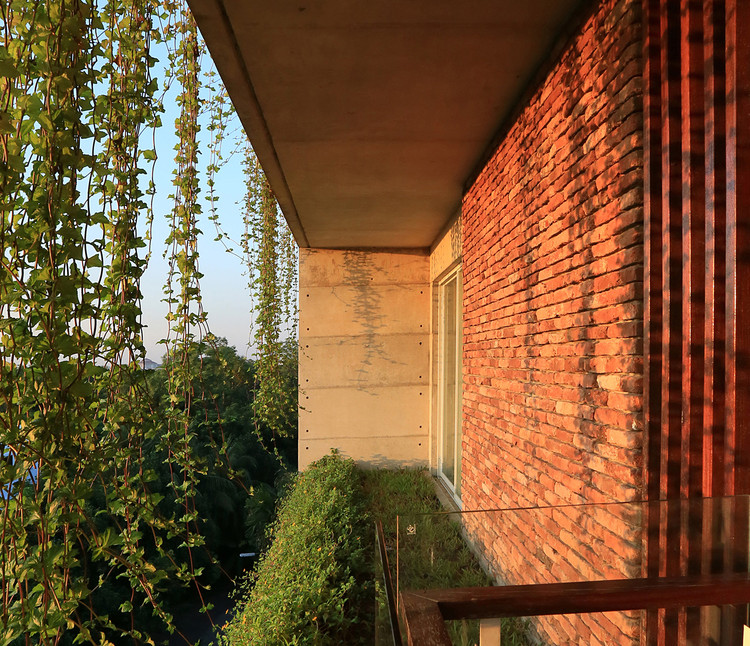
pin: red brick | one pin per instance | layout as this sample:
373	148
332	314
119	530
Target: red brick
553	310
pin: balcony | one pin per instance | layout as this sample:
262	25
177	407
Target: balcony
665	572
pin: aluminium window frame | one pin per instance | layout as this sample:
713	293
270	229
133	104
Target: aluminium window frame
452	277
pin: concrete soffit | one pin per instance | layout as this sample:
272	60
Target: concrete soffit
223	46
369	118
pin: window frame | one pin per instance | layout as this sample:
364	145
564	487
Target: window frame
452	279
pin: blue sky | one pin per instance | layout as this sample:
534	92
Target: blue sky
226	297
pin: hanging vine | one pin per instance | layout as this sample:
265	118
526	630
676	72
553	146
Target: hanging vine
271	255
78	435
186	316
76	94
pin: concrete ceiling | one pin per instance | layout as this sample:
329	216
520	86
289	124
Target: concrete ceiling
369	115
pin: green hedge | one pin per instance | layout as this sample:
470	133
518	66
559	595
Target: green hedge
313	582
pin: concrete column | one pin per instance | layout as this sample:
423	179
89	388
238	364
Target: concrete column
364	356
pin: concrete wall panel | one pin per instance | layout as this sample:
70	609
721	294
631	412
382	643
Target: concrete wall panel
389	411
364	356
370	310
389	361
372	452
333	268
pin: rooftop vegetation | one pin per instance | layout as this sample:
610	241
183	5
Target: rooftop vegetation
314	584
319	582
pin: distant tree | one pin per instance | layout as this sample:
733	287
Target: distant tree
243	462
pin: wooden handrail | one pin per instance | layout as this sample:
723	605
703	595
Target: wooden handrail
424	611
424	623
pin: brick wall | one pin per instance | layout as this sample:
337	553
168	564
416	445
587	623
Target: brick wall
553	311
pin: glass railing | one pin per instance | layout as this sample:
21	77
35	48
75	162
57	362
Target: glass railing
387	628
696	542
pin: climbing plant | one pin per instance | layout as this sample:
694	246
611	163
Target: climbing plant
271	255
76	99
81	524
186	317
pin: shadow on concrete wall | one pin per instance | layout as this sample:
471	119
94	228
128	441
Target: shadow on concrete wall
381	461
368	312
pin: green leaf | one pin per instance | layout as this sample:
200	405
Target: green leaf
6	123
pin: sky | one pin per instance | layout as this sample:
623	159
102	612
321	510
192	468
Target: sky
226	297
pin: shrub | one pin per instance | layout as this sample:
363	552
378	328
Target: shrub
312	582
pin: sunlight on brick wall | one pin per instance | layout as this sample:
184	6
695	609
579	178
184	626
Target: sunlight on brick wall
553	307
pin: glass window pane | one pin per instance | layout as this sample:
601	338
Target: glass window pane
450	386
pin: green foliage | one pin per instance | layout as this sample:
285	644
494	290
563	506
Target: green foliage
391	493
238	476
100	483
312	582
76	95
271	256
437	555
317	584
